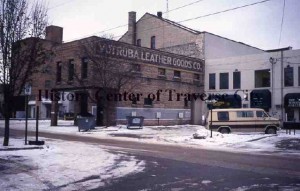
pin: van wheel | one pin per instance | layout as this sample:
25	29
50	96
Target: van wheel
224	130
271	130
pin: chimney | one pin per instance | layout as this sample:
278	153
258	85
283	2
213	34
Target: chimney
159	14
132	27
54	33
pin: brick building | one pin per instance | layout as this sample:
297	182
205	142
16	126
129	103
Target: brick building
112	80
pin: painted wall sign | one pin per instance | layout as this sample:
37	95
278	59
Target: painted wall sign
121	50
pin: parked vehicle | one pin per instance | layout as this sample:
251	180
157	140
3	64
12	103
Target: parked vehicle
245	119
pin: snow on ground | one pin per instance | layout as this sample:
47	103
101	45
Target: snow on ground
181	135
62	165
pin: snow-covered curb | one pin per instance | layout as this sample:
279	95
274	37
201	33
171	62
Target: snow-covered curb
180	135
63	165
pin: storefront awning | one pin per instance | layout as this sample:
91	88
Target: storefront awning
260	99
292	100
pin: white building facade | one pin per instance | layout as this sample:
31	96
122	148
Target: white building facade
270	80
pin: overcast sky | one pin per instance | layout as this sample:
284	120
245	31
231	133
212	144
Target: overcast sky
257	25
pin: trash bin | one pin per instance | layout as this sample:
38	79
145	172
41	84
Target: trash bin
86	122
135	121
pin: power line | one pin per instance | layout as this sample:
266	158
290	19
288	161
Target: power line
281	25
168	11
59	5
226	10
120	26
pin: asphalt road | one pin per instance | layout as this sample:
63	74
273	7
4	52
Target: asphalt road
179	168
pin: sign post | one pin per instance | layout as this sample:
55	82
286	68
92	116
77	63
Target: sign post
210	104
27	92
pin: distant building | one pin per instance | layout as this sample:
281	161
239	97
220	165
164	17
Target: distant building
270	80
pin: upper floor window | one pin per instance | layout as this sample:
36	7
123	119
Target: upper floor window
212	81
262	78
58	72
84	68
161	71
138	42
289	76
299	79
47	84
224	81
153	42
71	70
177	74
136	68
196	77
148	101
236	80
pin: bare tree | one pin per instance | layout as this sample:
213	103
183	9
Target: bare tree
19	57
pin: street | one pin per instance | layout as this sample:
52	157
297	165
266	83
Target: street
183	168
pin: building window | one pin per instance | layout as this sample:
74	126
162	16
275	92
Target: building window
161	72
223	80
136	68
71	70
177	74
138	42
47	84
236	80
84	68
153	42
289	76
196	77
148	101
262	78
186	103
299	80
58	72
212	81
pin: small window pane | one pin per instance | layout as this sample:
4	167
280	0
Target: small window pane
196	76
176	74
148	101
224	81
138	42
58	72
212	81
71	70
161	71
262	78
223	116
84	68
236	80
259	114
288	76
244	114
153	42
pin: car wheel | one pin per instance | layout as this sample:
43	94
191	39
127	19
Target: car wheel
271	130
224	131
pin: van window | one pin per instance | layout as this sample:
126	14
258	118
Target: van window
223	116
261	114
244	114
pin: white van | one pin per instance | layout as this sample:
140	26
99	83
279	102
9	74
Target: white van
245	119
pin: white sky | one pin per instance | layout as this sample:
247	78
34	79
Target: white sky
257	25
